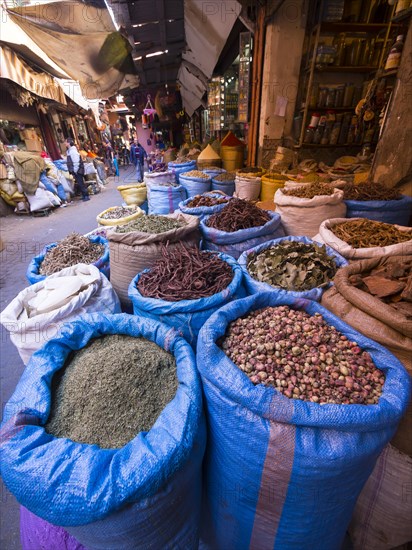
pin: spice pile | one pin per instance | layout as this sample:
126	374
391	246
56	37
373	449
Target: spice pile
302	357
364	233
185	274
195	174
118	212
366	191
309	191
293	266
206	200
238	214
73	249
150	224
165	184
226	176
111	390
391	283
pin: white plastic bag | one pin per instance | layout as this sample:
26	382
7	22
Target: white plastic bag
247	188
302	217
326	236
40	200
38	312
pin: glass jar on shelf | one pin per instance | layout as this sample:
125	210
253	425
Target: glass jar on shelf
309	134
339	42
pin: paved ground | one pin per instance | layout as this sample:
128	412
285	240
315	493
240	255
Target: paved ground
23	238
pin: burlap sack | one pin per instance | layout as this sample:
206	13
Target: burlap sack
377	320
382	516
302	217
327	236
131	253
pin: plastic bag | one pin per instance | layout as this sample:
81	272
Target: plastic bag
133	194
213	171
247	188
187	316
102	264
195	186
39	201
180	168
237	242
327	236
164	199
203	211
285	473
254	286
119	221
304	216
395	211
143	495
225	183
159	177
29	334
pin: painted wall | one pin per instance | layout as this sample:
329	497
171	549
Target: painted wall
281	66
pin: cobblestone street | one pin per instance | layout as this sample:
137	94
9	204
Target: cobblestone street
24	237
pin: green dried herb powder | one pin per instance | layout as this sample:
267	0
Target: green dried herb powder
293	266
111	390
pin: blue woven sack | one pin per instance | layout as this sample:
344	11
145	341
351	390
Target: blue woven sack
395	211
145	494
213	171
180	168
164	199
225	185
203	211
253	286
237	242
103	264
187	316
195	186
285	473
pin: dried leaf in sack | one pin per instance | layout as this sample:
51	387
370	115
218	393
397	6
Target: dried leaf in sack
73	249
293	266
151	224
237	215
364	233
310	191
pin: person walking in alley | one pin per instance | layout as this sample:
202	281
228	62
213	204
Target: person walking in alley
137	156
75	165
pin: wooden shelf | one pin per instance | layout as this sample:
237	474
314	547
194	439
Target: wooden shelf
336	69
318	145
338	26
328	109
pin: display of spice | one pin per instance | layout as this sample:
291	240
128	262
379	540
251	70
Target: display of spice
364	233
206	200
111	390
185	273
226	176
293	266
391	283
166	184
310	191
195	174
238	214
367	191
150	224
73	249
302	357
118	212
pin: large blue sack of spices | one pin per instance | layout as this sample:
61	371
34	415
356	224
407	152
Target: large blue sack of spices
103	264
224	182
195	186
398	211
181	167
280	472
164	199
253	286
145	494
187	316
203	211
235	243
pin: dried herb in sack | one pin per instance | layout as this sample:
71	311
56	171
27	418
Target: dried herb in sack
73	249
364	233
302	357
151	224
118	212
111	390
370	192
238	214
205	200
293	266
185	273
309	191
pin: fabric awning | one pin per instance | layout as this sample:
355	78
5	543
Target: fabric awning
207	27
16	69
82	39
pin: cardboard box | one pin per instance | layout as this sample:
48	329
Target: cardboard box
33	145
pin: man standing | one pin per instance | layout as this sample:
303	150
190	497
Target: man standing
137	156
108	158
75	165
